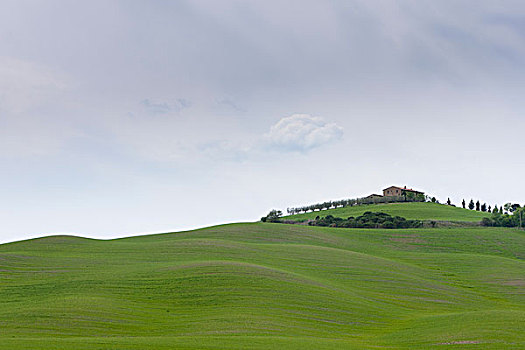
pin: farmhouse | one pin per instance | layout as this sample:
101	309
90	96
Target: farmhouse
373	196
399	191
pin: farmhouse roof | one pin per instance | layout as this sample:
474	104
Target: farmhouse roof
403	189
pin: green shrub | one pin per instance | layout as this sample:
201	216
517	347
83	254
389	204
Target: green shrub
367	220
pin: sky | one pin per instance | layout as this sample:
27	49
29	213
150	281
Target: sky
120	118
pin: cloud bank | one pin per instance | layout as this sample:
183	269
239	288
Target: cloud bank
302	132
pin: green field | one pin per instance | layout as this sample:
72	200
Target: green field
420	211
267	286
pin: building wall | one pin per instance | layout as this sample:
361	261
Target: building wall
392	191
396	191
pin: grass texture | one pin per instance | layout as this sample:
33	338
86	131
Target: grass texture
267	286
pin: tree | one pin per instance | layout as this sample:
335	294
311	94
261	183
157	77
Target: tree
471	204
478	206
433	200
484	207
463	204
404	194
489	209
511	208
495	210
273	216
449	202
520	212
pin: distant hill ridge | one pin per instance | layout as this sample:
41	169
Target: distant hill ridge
409	210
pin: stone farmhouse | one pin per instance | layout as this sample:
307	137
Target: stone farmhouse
398	191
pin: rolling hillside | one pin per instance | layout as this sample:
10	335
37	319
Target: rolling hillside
260	286
420	211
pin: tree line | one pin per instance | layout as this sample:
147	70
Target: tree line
478	206
508	208
367	220
514	217
405	197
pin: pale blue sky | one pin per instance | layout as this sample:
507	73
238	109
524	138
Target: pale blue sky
127	117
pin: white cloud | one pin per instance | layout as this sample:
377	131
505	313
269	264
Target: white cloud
302	132
163	107
184	141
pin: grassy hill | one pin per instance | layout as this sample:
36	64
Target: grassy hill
261	286
420	211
